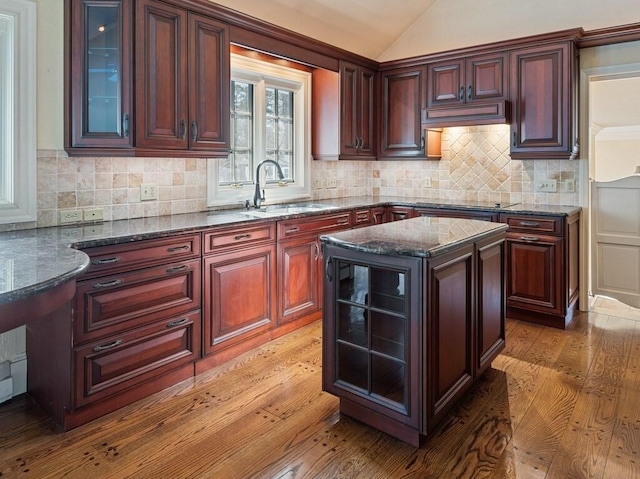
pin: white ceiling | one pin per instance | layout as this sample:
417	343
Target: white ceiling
366	27
390	29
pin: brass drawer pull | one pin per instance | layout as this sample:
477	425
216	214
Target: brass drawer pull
295	229
107	284
362	216
115	259
179	322
531	224
530	239
178	248
241	237
110	345
176	269
343	221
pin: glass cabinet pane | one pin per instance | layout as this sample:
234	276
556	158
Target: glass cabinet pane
353	366
103	37
388	334
387	290
352	324
388	379
354	282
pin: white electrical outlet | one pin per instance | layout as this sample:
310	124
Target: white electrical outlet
148	192
332	182
570	186
70	216
547	186
426	182
93	214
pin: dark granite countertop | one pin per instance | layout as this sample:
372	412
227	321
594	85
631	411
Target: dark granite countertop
424	236
36	260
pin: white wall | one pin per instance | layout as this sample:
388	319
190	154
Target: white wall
451	24
50	85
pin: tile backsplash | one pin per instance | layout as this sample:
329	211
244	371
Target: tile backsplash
475	165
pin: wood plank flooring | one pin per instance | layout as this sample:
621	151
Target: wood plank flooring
555	404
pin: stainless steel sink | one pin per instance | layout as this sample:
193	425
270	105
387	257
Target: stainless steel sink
288	209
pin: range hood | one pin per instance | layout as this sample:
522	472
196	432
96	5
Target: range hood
468	114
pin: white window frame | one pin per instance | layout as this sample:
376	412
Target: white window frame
261	73
18	111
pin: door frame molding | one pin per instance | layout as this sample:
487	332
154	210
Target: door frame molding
588	130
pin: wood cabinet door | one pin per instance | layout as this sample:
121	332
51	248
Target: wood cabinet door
446	83
209	80
299	276
449	301
161	76
238	302
357	111
491	305
487	77
99	87
348	109
366	111
534	273
543	87
402	101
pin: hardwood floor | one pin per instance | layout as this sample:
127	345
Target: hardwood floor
556	404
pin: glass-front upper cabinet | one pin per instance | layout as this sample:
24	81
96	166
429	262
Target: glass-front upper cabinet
99	82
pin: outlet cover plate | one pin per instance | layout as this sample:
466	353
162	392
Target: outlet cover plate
70	216
148	192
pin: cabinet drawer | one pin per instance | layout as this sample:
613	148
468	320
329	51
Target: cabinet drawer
109	259
361	218
548	225
457	213
224	239
112	304
120	362
315	225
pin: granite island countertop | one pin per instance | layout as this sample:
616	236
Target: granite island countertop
424	236
36	260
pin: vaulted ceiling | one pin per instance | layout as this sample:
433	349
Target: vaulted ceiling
366	27
389	29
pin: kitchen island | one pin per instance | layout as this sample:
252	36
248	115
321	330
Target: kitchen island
413	315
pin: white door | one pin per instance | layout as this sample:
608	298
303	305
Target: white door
616	239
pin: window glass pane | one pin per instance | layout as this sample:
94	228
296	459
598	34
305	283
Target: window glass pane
237	168
242	98
271	101
6	113
285	131
242	134
242	167
279	126
271	126
285	104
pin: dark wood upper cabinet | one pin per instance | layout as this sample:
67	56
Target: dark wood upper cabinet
403	99
468	91
98	87
182	77
544	102
209	78
357	111
161	76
